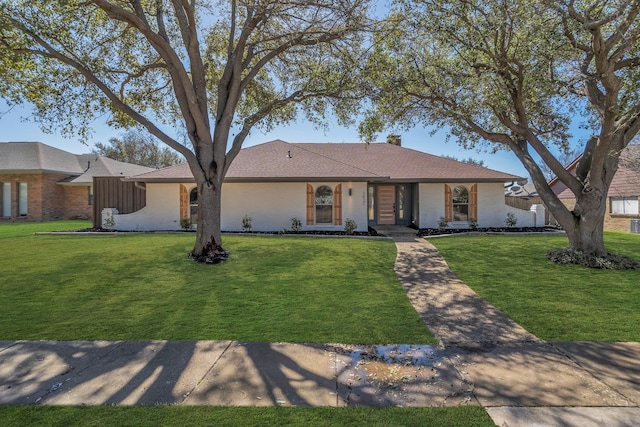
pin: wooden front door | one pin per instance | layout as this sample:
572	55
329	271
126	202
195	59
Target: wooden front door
386	205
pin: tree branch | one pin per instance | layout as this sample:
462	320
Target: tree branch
183	88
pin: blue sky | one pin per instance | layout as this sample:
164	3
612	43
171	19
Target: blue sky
16	126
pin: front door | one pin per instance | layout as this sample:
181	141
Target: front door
386	204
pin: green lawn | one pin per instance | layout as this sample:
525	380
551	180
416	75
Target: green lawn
272	289
554	302
143	286
471	416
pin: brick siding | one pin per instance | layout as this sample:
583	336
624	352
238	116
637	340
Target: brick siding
612	222
46	199
77	202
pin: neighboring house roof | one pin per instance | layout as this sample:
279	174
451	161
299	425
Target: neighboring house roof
526	190
626	181
36	157
282	161
31	157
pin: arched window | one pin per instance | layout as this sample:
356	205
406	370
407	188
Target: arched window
460	203
324	205
193	205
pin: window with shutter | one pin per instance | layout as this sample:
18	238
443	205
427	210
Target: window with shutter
324	204
460	203
193	205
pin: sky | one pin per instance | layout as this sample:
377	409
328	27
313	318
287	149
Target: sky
15	125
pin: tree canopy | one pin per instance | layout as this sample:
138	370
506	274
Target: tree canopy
513	75
139	148
212	69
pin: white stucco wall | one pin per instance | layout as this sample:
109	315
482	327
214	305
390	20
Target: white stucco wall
162	211
270	205
492	210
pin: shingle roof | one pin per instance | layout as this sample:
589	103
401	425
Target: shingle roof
282	161
400	163
96	165
626	181
36	157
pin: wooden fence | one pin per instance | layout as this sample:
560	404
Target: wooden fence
525	203
112	192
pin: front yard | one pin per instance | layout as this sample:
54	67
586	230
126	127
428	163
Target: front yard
143	286
554	302
292	289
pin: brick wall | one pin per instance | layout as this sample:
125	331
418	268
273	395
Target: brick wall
46	199
34	195
52	196
77	202
617	222
612	222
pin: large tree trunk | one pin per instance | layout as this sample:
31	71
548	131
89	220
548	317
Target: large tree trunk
209	182
585	232
209	216
584	224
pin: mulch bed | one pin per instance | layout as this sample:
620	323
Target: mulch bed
438	232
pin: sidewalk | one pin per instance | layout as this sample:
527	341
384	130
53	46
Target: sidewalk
485	359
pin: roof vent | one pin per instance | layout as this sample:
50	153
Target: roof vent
289	156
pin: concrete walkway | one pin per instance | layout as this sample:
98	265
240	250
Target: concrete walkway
521	380
484	359
455	314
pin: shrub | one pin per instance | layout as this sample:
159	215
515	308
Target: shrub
442	223
511	220
246	223
296	225
109	223
186	224
350	226
607	262
473	224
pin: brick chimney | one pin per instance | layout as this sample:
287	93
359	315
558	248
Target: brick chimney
395	140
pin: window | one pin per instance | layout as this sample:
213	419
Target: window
90	197
371	204
193	205
324	205
460	203
401	196
22	199
624	205
6	199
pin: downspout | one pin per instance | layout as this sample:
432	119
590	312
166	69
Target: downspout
140	186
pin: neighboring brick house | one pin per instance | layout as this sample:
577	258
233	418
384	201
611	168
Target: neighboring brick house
39	182
622	200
